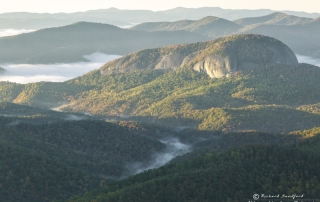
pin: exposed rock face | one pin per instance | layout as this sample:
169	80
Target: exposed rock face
216	66
215	58
171	61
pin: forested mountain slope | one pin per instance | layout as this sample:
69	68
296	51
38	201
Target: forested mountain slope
233	175
255	94
58	160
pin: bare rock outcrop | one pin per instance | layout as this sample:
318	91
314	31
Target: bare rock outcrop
218	58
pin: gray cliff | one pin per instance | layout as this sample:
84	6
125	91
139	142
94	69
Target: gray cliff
243	55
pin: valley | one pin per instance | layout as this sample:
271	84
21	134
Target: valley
180	108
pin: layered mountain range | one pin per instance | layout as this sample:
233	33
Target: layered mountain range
70	43
209	98
114	16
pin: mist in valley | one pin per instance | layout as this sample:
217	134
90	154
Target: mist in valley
30	73
12	32
309	60
174	148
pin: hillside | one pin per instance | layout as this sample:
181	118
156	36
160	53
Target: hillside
69	43
32	177
95	147
274	19
58	160
249	96
210	26
233	175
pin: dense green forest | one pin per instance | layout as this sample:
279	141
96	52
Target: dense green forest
232	175
259	99
32	177
55	161
99	151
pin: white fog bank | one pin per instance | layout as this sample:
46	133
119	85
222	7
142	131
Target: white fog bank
309	60
29	73
174	148
12	32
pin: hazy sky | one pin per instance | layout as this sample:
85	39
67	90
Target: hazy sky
53	6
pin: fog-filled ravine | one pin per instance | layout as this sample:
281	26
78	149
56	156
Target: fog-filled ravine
29	73
174	148
309	60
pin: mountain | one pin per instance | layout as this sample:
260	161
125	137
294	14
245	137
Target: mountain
114	16
30	176
236	83
292	35
217	58
61	45
70	43
50	162
274	19
210	26
232	175
287	28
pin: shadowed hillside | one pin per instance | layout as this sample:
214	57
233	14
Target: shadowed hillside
70	43
233	175
210	26
274	19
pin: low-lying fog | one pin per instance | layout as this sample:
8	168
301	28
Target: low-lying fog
309	60
12	32
29	73
174	148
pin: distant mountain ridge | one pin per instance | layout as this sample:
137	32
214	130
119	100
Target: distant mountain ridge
287	28
274	19
114	16
69	43
208	26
